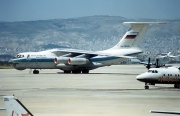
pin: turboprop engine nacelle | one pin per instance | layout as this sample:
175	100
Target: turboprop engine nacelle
61	60
78	61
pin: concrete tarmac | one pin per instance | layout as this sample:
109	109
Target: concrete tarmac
106	91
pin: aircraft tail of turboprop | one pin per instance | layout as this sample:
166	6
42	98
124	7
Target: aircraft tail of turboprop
15	108
134	36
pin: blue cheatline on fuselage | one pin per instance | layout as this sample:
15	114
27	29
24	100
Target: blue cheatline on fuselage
93	59
34	60
103	58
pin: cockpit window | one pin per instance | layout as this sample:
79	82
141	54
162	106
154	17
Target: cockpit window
152	71
19	56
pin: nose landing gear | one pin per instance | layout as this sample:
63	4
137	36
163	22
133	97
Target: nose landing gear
177	86
146	86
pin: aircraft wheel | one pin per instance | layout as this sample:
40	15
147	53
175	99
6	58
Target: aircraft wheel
85	71
65	71
176	85
76	71
73	71
152	83
146	87
35	72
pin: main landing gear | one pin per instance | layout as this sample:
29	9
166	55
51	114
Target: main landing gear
77	71
85	71
35	71
147	85
177	86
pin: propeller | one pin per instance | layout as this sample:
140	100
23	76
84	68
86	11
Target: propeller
148	66
157	63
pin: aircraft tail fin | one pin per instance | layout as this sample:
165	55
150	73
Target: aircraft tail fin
134	36
168	54
14	107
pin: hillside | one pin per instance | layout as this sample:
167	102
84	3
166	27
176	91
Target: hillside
88	33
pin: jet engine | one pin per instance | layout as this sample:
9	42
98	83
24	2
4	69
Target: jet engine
61	60
78	61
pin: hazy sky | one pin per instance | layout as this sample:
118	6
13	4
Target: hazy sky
26	10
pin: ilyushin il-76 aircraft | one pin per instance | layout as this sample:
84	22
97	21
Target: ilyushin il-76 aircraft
80	61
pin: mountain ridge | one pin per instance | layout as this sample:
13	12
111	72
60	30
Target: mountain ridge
87	33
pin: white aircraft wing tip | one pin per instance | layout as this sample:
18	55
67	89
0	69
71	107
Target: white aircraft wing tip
2	108
151	111
127	57
164	112
144	23
9	96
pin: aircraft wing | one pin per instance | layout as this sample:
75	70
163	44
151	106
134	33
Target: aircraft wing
60	52
146	63
165	112
2	108
161	56
172	56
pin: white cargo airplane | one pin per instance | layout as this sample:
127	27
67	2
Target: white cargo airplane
167	55
77	61
14	107
162	75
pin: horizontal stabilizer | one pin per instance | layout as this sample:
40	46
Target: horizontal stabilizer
142	23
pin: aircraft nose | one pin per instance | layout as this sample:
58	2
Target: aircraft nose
140	77
10	61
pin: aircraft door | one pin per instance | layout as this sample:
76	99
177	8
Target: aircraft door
38	62
29	63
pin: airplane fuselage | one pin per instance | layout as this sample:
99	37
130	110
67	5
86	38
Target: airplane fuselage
34	60
46	60
164	75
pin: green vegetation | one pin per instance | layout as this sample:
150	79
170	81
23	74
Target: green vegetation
5	65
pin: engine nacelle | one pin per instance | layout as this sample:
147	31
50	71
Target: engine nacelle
78	61
61	60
